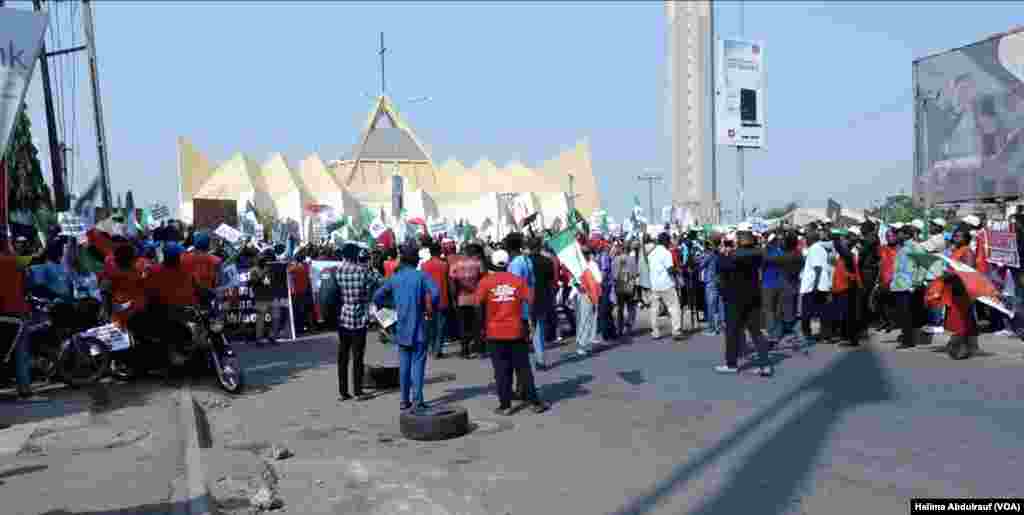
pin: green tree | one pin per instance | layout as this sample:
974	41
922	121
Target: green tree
27	190
779	212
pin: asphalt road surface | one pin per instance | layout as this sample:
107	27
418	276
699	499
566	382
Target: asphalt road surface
640	428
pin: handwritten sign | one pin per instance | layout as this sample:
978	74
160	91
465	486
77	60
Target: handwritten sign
1003	245
71	224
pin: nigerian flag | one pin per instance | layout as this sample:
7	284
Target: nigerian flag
568	250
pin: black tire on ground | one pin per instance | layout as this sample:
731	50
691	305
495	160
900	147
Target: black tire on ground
380	377
435	423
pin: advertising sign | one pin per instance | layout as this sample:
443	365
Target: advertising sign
740	93
969	122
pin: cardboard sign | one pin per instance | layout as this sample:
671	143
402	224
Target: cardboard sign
229	233
71	224
1003	245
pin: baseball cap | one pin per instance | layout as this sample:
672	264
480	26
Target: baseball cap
918	224
897	225
972	220
173	250
939	221
744	227
499	258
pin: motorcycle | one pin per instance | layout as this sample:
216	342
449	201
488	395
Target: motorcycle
60	345
208	347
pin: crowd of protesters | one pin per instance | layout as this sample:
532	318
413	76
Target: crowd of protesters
508	300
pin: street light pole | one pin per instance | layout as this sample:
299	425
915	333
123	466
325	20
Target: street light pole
651	179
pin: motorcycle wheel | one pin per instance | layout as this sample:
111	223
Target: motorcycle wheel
121	371
85	362
230	376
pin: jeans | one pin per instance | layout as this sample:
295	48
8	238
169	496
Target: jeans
351	341
671	301
605	316
586	322
714	306
539	334
773	312
412	362
23	351
626	314
436	330
512	358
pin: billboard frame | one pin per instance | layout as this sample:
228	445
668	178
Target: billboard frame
923	197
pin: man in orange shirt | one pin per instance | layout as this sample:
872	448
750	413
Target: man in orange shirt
437	268
503	295
169	288
200	263
123	278
12	302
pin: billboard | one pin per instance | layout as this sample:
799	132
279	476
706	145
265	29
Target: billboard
969	118
740	93
210	213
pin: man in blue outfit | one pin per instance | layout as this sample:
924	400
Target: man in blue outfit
406	291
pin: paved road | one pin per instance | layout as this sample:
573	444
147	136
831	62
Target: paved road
124	459
640	428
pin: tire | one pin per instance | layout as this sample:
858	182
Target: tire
85	362
381	377
228	368
122	371
435	423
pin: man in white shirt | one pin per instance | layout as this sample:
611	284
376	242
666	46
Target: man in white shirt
663	287
816	284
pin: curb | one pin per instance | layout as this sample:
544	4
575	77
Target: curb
196	494
13	439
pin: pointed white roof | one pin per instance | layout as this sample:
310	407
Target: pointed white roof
394	142
231	178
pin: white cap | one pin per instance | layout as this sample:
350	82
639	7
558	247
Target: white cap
499	258
744	227
855	230
731	236
897	225
424	253
972	220
771	237
919	224
939	221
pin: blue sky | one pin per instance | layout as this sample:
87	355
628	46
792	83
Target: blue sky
508	81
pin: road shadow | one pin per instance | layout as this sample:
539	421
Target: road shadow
268	366
195	505
57	400
553	393
776	472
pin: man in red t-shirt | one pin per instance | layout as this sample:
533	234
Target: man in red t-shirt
502	296
437	268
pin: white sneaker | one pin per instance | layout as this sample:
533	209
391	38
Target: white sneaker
1006	333
726	369
933	329
581	353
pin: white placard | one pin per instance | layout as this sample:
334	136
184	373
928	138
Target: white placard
71	224
740	93
111	335
229	233
385	317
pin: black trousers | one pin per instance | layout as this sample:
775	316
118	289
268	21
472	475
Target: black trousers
512	358
743	315
470	328
351	341
814	305
867	316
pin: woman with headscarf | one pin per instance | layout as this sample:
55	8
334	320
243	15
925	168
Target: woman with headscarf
949	291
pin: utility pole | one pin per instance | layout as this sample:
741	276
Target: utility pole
716	210
56	156
651	179
97	104
382	51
